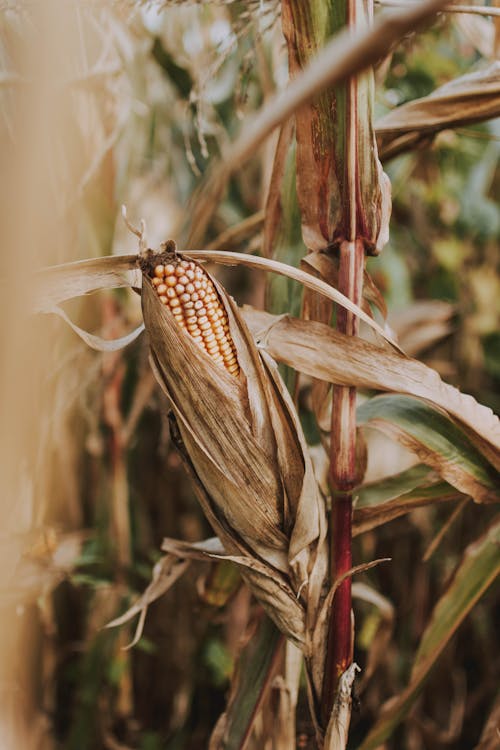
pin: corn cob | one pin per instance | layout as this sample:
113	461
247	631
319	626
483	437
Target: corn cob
187	291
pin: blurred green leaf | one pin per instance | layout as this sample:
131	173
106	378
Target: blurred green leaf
284	295
218	660
221	583
479	567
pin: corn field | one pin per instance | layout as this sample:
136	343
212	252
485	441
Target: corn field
250	374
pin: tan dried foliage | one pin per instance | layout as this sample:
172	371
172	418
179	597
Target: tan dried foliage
243	444
335	358
474	97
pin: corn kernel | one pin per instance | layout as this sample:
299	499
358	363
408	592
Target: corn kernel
184	287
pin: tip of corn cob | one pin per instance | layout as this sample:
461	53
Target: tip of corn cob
185	288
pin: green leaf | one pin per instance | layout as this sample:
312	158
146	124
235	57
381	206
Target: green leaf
252	677
437	440
394	486
371	516
479	567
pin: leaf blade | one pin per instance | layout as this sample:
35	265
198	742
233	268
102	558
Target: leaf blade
438	441
479	567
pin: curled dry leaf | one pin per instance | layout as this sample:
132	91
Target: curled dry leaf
319	351
165	574
471	98
242	442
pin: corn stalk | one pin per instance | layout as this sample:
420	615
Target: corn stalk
343	195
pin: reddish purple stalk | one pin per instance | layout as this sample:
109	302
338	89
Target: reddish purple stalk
342	481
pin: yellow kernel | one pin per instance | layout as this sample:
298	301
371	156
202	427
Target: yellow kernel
157	280
183	279
198	339
233	369
202	318
174	302
159	269
190	288
206	327
171	293
161	289
179	271
190	273
163	299
184	298
169	269
170	281
179	288
192	320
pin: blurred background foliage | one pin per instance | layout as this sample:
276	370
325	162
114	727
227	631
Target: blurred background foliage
128	103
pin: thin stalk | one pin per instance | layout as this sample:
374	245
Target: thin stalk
343	425
342	481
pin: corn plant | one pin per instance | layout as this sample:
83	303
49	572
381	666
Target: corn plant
323	456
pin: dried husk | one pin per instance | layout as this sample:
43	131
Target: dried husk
245	449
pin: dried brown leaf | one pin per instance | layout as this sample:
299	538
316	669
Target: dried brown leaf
165	574
321	352
59	283
474	97
51	286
